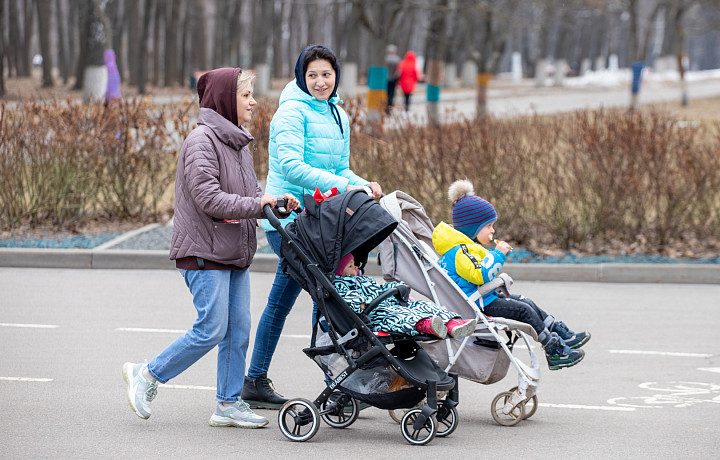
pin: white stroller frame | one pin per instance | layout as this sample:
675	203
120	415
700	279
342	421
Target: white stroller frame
416	236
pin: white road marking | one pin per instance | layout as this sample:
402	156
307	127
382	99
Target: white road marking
188	387
40	326
662	353
577	406
25	379
141	329
710	369
180	331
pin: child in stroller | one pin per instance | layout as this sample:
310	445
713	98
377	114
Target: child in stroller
469	264
342	344
403	315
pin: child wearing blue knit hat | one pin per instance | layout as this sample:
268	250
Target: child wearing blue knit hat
470	264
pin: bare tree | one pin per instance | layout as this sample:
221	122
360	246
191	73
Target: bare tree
378	18
62	41
142	56
2	50
262	33
436	45
44	11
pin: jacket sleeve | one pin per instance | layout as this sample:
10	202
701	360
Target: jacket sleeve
290	138
202	177
479	271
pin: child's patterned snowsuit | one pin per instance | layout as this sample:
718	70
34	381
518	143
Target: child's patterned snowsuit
390	315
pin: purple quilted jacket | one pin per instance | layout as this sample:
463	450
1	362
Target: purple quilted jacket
216	183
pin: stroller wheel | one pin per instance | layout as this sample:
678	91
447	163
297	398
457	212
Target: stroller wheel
531	405
339	416
299	420
447	419
397	414
418	436
513	417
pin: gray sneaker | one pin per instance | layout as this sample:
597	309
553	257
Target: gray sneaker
239	415
139	391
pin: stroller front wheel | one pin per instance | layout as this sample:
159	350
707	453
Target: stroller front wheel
513	417
299	420
341	416
418	436
447	419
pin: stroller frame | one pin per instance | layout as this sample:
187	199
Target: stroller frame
510	407
299	418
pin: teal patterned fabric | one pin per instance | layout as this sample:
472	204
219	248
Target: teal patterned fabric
390	315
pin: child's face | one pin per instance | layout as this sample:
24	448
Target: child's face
485	235
350	269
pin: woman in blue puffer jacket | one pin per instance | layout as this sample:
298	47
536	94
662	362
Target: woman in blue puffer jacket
309	148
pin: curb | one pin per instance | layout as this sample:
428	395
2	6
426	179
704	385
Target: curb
146	259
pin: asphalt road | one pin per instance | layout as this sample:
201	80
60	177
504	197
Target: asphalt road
648	388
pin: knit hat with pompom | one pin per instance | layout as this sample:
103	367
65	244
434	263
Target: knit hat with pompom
470	213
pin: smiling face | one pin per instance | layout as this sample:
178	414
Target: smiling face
485	235
320	79
350	269
245	103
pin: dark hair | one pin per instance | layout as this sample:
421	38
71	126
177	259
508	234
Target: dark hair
320	52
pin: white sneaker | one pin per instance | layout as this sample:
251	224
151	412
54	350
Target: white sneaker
239	415
140	392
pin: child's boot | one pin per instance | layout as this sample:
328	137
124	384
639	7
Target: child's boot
572	339
558	354
432	326
458	328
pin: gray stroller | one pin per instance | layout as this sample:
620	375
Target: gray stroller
408	255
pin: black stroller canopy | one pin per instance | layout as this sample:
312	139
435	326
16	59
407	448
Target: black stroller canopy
351	222
326	231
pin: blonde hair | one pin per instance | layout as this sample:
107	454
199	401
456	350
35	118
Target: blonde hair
245	79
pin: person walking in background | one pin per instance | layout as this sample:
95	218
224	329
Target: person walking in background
391	62
408	76
217	202
309	148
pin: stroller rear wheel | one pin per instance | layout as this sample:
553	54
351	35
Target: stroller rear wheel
418	435
513	417
342	415
299	420
447	419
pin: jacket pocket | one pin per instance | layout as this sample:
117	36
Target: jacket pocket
230	242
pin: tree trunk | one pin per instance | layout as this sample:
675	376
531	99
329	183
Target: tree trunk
62	41
262	38
29	17
2	50
44	9
142	56
157	49
83	11
132	13
198	56
14	37
437	42
171	42
95	76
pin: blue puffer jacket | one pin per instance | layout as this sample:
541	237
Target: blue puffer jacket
307	148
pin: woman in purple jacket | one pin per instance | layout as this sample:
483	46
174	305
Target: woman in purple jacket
217	202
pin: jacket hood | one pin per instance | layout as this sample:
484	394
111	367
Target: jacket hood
236	137
217	90
445	238
300	70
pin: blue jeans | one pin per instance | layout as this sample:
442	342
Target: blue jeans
519	308
222	301
282	297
